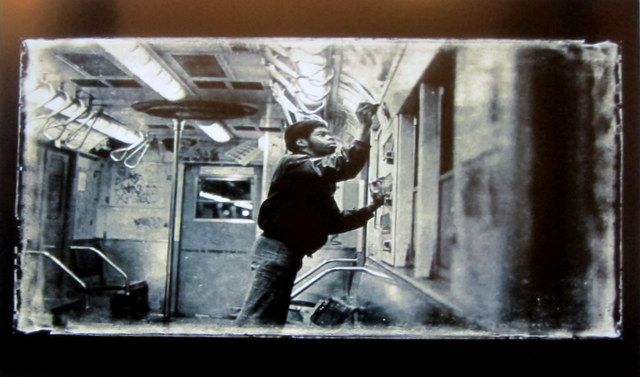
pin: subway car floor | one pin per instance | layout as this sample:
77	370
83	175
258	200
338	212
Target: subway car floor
97	320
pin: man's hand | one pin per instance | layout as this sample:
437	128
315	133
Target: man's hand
378	199
365	113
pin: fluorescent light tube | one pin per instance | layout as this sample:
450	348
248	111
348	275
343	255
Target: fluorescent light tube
216	132
141	63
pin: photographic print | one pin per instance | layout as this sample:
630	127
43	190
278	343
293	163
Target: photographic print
320	187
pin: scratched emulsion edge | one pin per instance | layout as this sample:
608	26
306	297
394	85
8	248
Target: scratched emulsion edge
22	313
17	260
28	271
619	192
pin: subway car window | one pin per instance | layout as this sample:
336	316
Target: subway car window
220	198
310	187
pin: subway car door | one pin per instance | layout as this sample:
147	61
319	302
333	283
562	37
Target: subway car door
54	202
217	232
54	212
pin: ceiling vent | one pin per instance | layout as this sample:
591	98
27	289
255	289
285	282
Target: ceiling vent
210	84
270	129
93	64
200	65
124	83
247	85
244	128
89	83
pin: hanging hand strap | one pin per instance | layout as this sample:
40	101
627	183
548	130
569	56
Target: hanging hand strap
63	125
137	155
92	117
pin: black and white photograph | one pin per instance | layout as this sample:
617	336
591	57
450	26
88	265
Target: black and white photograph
339	187
360	187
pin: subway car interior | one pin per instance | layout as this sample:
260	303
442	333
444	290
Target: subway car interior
144	163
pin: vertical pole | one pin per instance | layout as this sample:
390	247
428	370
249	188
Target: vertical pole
178	126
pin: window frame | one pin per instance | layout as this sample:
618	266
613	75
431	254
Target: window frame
223	177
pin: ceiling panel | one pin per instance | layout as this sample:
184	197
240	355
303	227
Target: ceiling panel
247	66
200	65
205	84
89	83
124	83
93	64
246	85
244	127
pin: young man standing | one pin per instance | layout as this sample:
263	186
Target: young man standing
300	212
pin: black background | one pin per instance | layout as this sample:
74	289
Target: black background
592	20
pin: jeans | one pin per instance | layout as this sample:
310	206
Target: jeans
274	267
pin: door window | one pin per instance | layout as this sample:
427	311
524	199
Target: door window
224	198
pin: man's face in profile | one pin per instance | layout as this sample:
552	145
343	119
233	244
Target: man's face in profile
322	142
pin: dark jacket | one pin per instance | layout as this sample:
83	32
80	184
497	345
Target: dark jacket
300	210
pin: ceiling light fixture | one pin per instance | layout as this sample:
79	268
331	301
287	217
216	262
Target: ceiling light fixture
140	61
216	132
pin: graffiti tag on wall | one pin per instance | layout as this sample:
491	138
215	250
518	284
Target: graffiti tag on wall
130	187
153	222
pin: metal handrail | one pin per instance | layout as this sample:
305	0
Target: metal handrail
324	262
65	269
109	261
336	269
